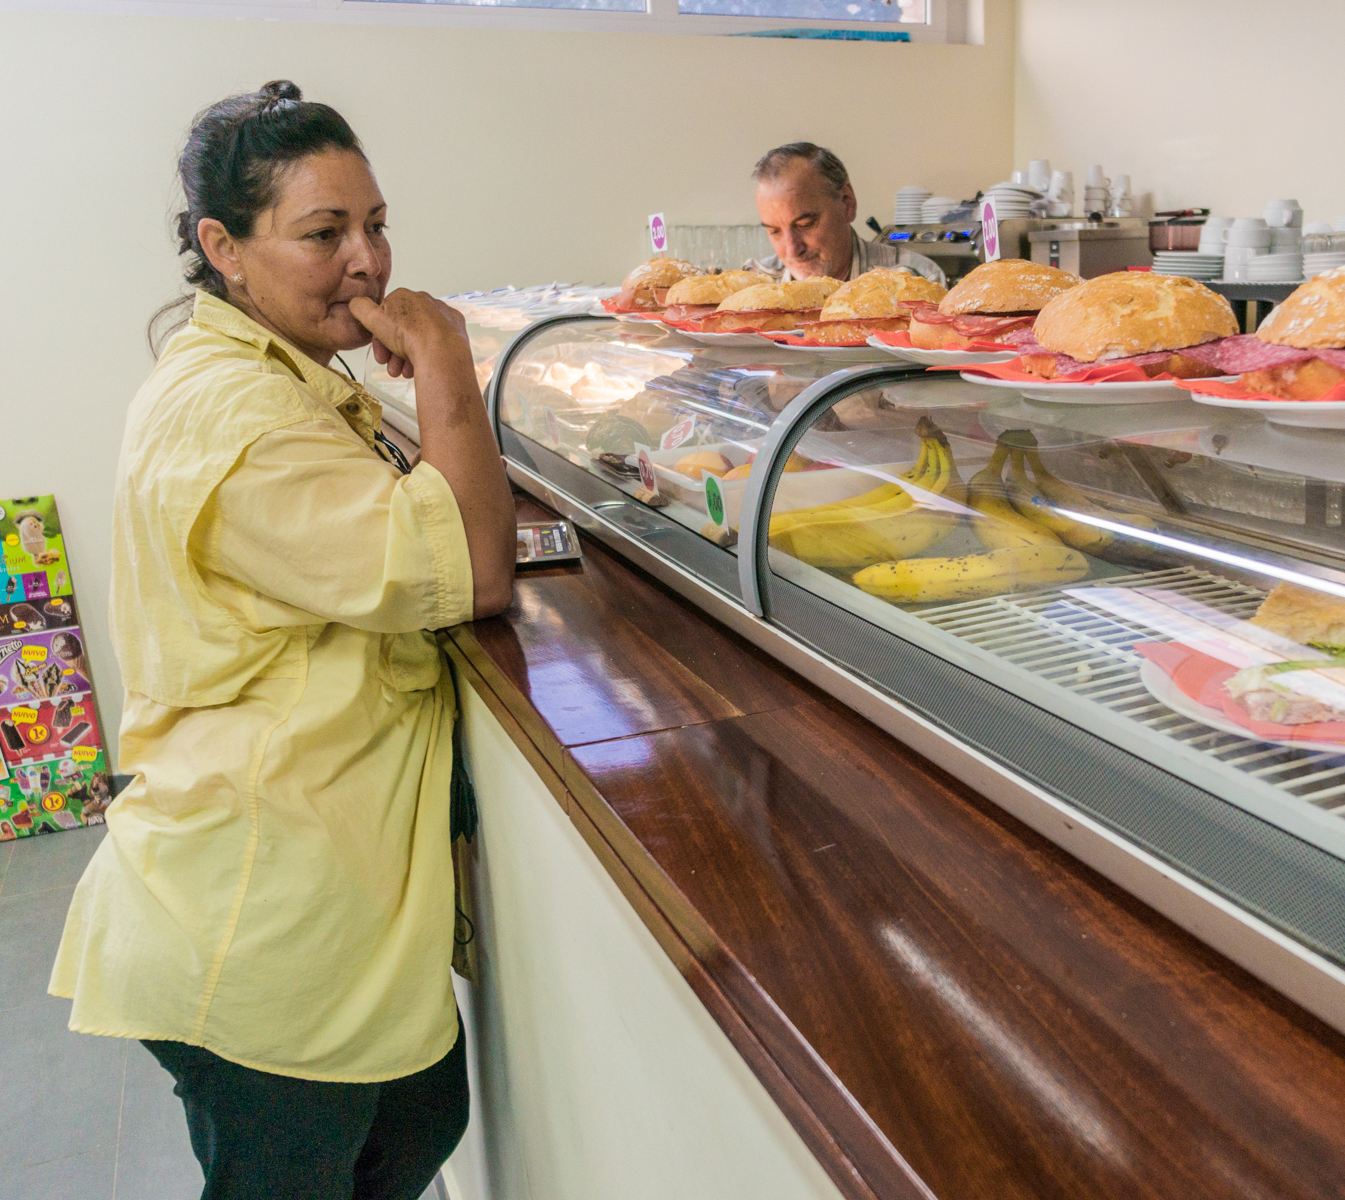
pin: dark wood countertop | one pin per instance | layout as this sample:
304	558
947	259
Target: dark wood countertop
941	1001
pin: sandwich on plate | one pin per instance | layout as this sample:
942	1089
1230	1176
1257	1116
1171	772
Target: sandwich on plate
697	296
882	299
1299	353
1310	618
645	289
769	306
1162	324
996	302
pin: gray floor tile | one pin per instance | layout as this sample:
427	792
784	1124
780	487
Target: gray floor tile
86	1176
64	1089
30	931
50	860
154	1158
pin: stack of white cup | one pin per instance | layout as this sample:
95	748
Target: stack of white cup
1284	262
1120	202
1247	238
1095	194
1060	195
1212	235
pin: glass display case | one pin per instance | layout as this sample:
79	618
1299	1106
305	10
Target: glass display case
1057	600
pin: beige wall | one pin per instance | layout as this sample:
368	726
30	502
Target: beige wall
507	157
1226	103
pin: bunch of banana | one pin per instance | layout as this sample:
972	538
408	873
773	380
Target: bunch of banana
973	576
997	524
1036	507
1057	491
854	534
891	494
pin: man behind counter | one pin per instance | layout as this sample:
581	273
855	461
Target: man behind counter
806	203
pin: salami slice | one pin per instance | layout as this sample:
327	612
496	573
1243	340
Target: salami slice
1246	352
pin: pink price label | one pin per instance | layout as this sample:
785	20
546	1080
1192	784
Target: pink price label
989	231
678	434
647	476
658	233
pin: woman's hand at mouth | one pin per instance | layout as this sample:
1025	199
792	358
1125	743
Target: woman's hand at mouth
412	328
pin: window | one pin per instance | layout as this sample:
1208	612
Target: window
907	12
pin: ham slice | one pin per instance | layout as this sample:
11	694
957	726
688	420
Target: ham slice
636	300
688	312
976	325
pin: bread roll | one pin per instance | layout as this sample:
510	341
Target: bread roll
1313	318
714	289
877	293
796	295
1303	615
1133	312
1010	285
657	273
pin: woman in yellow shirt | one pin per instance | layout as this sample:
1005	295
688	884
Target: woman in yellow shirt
272	908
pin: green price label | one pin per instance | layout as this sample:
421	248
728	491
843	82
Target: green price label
714	499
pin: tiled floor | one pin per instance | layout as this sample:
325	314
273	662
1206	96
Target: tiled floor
97	1116
85	1118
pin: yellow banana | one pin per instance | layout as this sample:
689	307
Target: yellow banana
1033	505
973	576
997	524
780	522
857	537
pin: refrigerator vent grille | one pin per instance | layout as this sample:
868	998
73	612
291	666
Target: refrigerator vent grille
1087	651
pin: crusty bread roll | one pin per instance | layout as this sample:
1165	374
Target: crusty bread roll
1133	312
877	293
796	295
1313	317
1303	615
713	289
1009	285
657	273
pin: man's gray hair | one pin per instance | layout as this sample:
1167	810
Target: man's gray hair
775	162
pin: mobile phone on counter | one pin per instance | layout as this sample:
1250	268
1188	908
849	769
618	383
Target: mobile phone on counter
545	542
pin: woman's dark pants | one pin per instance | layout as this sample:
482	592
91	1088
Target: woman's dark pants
268	1137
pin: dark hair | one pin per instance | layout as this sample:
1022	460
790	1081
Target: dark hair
231	166
772	164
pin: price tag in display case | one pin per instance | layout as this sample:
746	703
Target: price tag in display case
714	498
679	434
648	477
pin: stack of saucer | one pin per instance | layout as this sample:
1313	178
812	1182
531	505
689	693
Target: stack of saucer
1188	263
934	209
1012	200
1326	260
909	203
1275	268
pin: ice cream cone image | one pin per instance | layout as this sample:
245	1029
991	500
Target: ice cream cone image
68	647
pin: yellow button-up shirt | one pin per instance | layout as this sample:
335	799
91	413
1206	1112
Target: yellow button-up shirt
276	884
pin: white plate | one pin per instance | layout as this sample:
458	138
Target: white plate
1162	688
1087	393
943	358
754	340
1308	414
864	353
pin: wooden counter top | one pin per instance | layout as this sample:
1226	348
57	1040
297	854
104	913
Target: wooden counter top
941	1001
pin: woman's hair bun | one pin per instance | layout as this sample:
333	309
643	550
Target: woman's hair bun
280	89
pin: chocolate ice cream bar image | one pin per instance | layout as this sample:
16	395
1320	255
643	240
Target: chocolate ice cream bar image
13	738
62	717
68	647
76	733
26	617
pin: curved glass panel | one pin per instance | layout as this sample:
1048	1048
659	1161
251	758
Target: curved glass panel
1163	575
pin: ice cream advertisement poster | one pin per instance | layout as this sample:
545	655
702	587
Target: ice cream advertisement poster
48	729
43	666
59	794
34	565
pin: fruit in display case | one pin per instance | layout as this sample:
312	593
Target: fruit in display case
795	462
996	523
973	576
889	522
703	462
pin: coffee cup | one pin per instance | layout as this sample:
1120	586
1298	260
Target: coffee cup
1039	173
1018	177
1097	178
1283	213
1247	239
1285	240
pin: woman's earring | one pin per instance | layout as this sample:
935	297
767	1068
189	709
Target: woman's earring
236	278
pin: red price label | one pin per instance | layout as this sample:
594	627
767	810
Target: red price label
678	434
647	476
